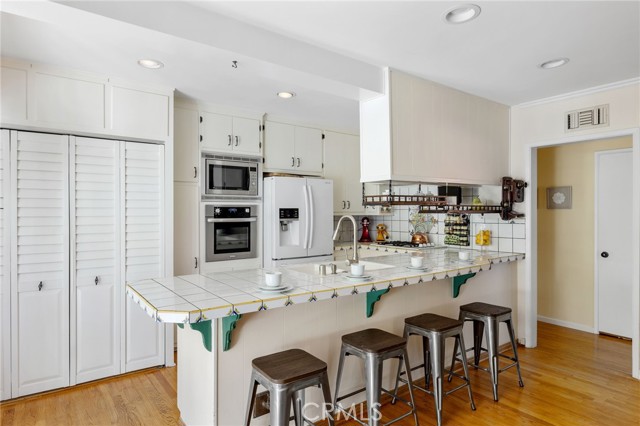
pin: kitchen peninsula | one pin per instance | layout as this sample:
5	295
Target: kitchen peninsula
214	369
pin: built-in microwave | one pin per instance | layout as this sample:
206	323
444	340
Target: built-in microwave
236	176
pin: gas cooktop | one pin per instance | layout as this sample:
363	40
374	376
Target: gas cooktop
401	244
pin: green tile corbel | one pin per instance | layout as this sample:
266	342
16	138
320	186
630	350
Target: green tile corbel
372	297
204	328
228	325
458	281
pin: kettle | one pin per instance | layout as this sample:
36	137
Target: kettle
419	238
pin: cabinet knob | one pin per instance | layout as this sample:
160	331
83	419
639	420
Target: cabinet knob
293	161
604	254
195	172
97	280
298	161
237	140
40	286
348	205
229	144
196	259
344	205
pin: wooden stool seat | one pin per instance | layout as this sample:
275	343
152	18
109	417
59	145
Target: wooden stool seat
288	366
433	322
374	341
485	309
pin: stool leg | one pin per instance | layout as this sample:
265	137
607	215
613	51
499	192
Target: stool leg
478	330
343	355
492	347
436	346
463	359
328	409
460	338
395	393
405	358
298	406
280	408
515	350
252	398
373	377
426	359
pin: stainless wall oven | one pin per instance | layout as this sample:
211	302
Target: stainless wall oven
231	232
234	176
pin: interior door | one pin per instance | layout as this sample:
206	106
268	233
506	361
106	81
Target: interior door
614	171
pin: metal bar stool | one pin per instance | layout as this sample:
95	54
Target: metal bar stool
434	329
489	316
286	375
374	346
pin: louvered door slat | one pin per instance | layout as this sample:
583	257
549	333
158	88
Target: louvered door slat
143	189
5	294
96	267
40	345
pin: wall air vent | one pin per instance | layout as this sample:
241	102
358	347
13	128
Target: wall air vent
587	118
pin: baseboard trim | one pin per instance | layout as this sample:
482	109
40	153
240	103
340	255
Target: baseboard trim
566	324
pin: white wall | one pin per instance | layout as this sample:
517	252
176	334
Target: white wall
542	124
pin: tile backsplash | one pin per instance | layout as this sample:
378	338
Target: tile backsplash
506	236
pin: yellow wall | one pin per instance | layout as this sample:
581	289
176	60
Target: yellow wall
566	236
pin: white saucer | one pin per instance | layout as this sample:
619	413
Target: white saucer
418	268
278	289
359	277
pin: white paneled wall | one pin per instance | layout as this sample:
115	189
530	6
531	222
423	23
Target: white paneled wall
40	297
143	186
95	258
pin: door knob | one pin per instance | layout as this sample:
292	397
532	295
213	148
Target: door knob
604	254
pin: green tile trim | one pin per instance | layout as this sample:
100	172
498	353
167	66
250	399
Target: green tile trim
228	325
372	297
458	281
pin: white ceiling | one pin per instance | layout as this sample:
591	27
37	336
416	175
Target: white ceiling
331	53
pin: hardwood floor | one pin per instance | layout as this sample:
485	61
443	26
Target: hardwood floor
571	378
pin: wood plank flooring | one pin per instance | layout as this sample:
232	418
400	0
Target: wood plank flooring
571	378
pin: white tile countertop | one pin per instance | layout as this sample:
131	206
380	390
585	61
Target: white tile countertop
195	298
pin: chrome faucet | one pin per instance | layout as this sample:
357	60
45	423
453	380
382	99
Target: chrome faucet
355	238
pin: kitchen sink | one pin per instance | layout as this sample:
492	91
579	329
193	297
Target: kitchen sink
312	268
374	266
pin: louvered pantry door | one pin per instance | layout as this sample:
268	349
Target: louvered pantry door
40	255
5	261
142	190
95	258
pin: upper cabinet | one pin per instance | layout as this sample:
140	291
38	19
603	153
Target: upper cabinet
342	154
292	149
424	132
186	155
55	100
225	133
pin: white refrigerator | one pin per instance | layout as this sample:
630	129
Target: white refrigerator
298	220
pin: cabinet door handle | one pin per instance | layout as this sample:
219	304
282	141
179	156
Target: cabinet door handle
229	144
298	161
348	205
237	140
196	259
344	205
293	161
40	286
97	280
195	172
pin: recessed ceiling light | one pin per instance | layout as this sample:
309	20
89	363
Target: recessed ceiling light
150	63
554	63
462	14
286	95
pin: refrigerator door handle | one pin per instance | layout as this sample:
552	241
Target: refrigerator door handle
305	189
311	215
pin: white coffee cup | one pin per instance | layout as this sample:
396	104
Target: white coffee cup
357	269
273	279
417	261
463	255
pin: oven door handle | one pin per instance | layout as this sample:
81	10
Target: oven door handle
243	219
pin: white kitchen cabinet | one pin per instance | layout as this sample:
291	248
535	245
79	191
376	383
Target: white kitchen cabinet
186	197
142	233
421	131
5	262
140	113
13	102
186	157
40	256
225	133
95	258
342	164
293	149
